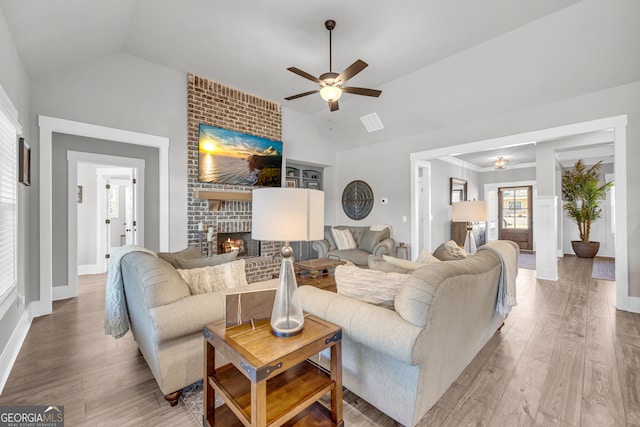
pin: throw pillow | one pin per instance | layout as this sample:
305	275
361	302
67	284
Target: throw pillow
188	253
215	278
378	263
455	250
443	253
379	227
206	261
425	257
409	265
369	240
343	238
370	286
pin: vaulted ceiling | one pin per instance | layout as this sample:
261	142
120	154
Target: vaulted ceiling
418	51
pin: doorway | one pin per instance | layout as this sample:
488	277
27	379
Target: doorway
89	205
547	239
515	215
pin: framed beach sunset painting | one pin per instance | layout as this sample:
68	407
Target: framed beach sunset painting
230	157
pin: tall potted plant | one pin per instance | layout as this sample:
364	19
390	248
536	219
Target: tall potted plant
582	193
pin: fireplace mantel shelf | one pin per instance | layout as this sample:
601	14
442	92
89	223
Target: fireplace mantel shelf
216	197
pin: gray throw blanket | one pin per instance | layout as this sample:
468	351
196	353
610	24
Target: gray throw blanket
116	317
508	253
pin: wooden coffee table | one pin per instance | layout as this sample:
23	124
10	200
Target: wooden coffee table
325	280
317	264
269	380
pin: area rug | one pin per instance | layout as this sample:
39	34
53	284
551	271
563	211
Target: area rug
527	261
356	412
604	269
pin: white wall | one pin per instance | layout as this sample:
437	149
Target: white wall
393	156
128	93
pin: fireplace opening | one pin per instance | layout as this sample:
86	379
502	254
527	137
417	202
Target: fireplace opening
242	242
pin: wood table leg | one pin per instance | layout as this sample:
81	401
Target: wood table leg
209	394
336	376
259	404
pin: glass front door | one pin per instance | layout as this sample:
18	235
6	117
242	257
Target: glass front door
516	216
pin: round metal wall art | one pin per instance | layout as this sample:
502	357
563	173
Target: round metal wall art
357	200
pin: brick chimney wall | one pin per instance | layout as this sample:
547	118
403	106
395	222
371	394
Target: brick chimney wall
217	105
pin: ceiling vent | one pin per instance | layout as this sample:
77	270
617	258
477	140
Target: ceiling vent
372	122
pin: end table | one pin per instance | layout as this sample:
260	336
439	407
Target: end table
269	380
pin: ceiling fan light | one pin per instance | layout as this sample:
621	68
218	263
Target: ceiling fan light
331	93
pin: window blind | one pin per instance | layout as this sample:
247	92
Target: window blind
8	205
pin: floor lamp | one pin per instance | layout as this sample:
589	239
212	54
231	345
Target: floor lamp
469	212
286	215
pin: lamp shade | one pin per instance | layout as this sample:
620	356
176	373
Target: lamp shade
287	214
472	211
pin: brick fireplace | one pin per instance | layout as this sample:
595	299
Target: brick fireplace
214	104
241	242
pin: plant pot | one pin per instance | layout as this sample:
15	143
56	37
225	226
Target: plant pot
585	250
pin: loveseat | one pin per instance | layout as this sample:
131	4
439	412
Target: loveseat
167	320
402	361
376	242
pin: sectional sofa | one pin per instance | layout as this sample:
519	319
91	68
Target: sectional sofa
401	361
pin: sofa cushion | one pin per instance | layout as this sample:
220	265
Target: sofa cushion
369	240
403	263
425	257
215	278
188	253
449	251
378	263
157	282
357	233
328	236
370	286
343	238
357	256
206	261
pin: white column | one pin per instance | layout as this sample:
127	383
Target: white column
546	218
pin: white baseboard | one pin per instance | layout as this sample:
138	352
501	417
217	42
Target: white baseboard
89	269
10	353
62	292
631	304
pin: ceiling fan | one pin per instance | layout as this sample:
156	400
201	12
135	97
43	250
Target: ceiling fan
331	88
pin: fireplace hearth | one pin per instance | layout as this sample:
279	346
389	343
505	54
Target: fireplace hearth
242	242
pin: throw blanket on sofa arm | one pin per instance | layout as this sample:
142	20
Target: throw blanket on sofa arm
116	317
508	253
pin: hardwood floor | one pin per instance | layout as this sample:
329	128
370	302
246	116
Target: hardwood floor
565	357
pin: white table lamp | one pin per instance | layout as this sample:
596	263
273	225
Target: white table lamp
287	214
469	212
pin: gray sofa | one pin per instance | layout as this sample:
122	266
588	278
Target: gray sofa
167	321
403	360
368	243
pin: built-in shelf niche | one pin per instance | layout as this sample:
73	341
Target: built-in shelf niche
304	176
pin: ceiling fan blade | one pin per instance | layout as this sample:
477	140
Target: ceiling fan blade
351	71
300	95
362	91
306	75
333	106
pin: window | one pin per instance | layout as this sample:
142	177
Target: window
8	202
